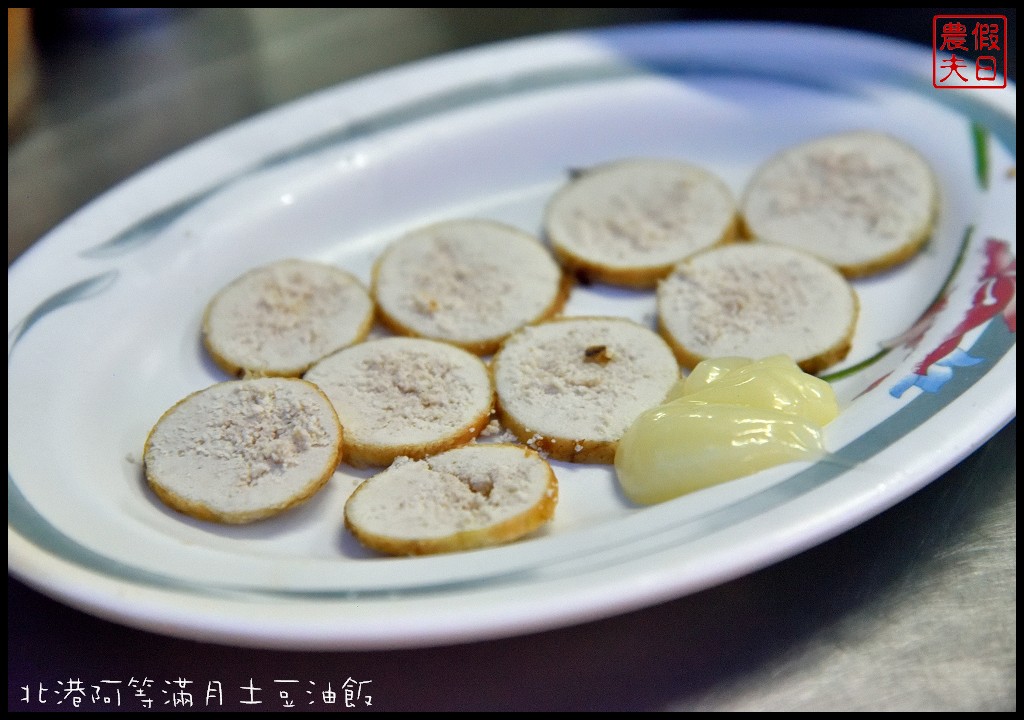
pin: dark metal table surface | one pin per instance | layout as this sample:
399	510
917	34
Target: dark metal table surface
914	609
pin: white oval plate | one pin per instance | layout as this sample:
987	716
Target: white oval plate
104	316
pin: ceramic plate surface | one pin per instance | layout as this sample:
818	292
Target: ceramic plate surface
104	329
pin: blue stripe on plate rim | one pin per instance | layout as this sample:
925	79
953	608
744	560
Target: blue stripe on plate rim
994	343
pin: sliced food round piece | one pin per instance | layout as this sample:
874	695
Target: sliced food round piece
756	300
570	387
628	222
861	201
243	450
281	318
469	497
405	396
467	282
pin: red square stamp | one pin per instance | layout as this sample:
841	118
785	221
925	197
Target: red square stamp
969	51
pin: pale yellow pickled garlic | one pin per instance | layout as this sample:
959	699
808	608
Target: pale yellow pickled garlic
729	418
774	382
706	373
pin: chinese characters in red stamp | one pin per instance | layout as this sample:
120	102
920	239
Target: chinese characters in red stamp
969	51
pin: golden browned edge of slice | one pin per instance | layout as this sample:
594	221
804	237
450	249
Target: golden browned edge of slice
238	371
886	262
506	531
486	346
222	362
598	452
639	277
362	455
204	512
813	365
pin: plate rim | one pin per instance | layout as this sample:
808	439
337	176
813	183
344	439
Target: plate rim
52	574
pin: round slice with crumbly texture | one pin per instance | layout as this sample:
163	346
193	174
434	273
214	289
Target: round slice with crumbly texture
629	222
467	282
756	300
405	396
470	497
570	387
862	201
243	450
281	318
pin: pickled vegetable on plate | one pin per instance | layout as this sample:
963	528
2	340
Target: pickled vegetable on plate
729	418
